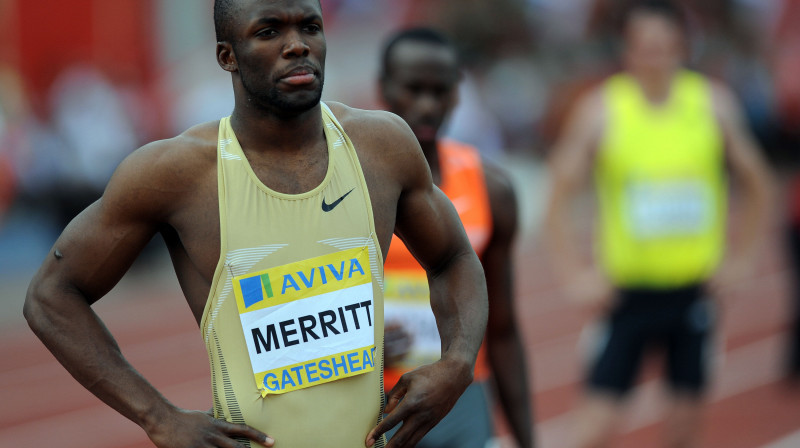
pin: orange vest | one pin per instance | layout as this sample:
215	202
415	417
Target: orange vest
407	299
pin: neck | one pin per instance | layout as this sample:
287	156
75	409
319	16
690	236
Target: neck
655	86
262	130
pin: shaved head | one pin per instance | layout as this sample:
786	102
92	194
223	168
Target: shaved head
224	15
224	12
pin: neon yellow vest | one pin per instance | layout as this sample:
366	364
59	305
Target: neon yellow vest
294	320
661	185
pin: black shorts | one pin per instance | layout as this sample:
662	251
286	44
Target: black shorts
678	321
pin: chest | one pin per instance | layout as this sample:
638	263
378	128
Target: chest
289	173
199	225
195	232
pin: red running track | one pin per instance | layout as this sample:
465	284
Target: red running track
749	406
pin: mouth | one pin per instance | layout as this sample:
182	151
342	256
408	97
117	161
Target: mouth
425	132
299	76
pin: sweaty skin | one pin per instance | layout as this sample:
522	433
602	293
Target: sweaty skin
169	187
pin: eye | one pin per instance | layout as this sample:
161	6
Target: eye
440	91
414	88
312	28
266	32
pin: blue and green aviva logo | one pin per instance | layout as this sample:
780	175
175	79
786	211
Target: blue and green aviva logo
297	280
252	291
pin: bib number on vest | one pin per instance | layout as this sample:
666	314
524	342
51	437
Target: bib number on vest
310	322
668	209
407	302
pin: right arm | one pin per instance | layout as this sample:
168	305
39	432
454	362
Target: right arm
571	162
87	260
504	344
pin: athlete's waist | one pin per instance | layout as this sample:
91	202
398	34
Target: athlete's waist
635	297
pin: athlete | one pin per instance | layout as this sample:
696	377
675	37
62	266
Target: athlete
419	82
277	220
658	138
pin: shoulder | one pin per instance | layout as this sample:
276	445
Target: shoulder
161	173
372	125
593	102
176	158
584	128
383	140
502	197
588	115
724	103
498	184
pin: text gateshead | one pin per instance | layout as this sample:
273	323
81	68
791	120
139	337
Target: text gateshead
319	371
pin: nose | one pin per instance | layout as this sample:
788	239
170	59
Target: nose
295	46
427	104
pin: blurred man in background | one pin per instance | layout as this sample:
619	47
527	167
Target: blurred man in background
658	138
419	82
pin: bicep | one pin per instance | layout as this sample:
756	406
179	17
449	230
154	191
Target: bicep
425	219
96	249
100	244
741	149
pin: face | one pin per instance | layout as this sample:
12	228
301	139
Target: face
421	86
279	54
653	44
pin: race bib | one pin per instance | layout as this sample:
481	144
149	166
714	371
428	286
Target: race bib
310	322
407	302
669	209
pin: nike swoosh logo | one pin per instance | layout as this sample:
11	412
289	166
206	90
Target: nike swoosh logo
332	205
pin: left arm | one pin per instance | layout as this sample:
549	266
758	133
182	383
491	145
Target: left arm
503	342
429	225
747	164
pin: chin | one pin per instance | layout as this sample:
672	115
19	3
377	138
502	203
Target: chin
296	103
424	137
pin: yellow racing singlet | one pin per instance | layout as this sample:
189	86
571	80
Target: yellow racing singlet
661	185
294	319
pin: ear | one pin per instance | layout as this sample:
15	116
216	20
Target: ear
226	58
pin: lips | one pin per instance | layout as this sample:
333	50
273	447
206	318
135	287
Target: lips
299	76
425	132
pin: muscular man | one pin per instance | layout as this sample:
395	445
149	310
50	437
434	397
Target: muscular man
658	138
277	220
419	82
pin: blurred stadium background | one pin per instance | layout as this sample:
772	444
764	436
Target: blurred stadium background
84	82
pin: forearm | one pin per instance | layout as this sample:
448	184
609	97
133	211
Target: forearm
68	327
508	361
745	160
560	239
459	302
756	209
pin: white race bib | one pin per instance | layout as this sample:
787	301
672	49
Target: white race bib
669	208
310	322
407	302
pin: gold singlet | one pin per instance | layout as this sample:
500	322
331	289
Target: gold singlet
294	319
